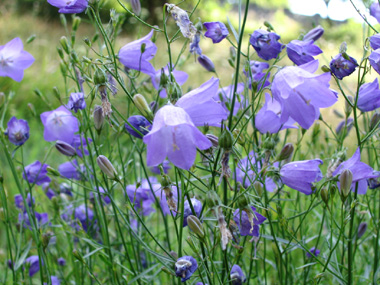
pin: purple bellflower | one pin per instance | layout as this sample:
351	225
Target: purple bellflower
51	192
105	198
54	280
136	55
19	202
369	96
76	102
69	6
142	197
36	173
342	66
79	142
236	275
301	93
217	31
197	205
206	63
179	76
185	267
268	118
140	123
17	131
314	34
266	44
314	251
34	265
301	52
41	219
345	123
300	175
165	165
360	172
374	60
61	261
225	96
59	124
200	105
374	10
175	136
80	214
71	170
13	60
245	227
163	198
258	74
374	41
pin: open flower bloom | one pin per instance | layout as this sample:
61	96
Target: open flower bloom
142	197
374	10
76	102
268	118
69	6
179	76
374	60
369	96
83	214
360	172
175	136
341	66
185	267
17	131
242	220
34	264
200	105
301	52
236	275
374	41
300	175
216	31
13	60
225	96
301	93
59	124
266	44
41	219
136	55
36	173
314	251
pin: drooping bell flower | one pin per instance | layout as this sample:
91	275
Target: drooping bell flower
247	225
360	172
142	197
179	76
225	96
136	55
343	65
301	52
80	144
302	93
374	41
185	267
236	275
13	60
174	135
314	251
257	74
217	31
41	219
59	124
34	265
314	34
140	123
17	131
197	205
374	60
266	44
71	170
69	7
300	175
36	173
345	123
19	201
268	118
374	10
200	105
369	96
84	215
76	102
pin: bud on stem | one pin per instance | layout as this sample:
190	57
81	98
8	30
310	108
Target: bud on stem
106	166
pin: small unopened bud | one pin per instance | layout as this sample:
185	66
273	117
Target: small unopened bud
325	195
212	199
206	62
136	6
226	140
78	256
143	106
314	34
62	17
65	148
98	118
325	68
56	93
30	39
269	26
74	56
87	42
50	170
196	226
55	202
174	91
165	181
374	120
286	152
213	139
268	144
362	229
45	238
106	166
65	44
100	77
259	188
76	23
345	180
60	53
164	79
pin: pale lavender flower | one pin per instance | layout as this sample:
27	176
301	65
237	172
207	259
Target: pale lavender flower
314	34
17	131
41	219
34	265
19	201
200	105
59	124
369	96
217	31
343	65
105	198
84	215
374	10
36	173
236	275
345	123
142	197
225	96
301	52
242	220
140	123
54	280
302	93
80	145
165	165
300	175
76	102
136	6
374	60
266	44
197	205
136	55
13	60
69	6
175	136
71	170
257	74
179	76
185	267
374	41
314	251
268	118
360	172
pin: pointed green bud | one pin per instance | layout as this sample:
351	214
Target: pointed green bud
243	202
196	226
106	166
226	139
65	44
143	106
165	181
325	68
76	23
232	53
87	42
286	152
345	180
50	170
269	26
164	79
259	188
98	118
325	195
212	199
60	53
142	47
30	39
100	77
374	121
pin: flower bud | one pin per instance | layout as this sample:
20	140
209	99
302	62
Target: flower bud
314	34
196	226
87	42
325	68
106	166
259	188
164	79
143	106
213	139
362	229
78	256
226	140
325	195
212	199
269	26
65	44
60	53
50	170
65	148
174	91
76	23
206	63
286	152
138	123
100	77
136	6
98	118
345	180
45	238
374	120
165	181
